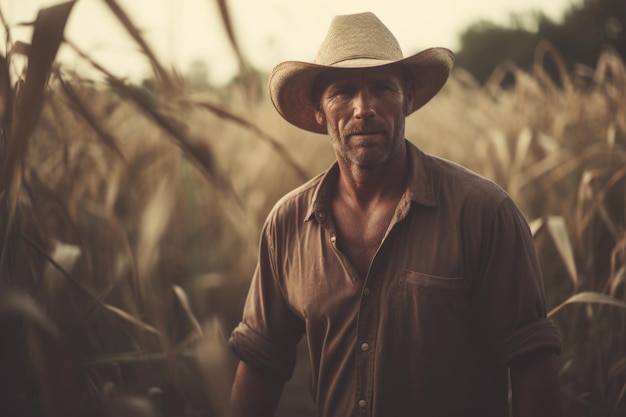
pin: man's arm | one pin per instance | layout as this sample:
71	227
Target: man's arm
254	394
535	385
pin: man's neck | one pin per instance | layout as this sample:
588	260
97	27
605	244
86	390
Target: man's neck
364	186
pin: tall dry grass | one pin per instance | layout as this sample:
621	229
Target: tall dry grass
130	217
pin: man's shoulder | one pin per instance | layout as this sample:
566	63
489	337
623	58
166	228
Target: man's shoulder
450	176
296	202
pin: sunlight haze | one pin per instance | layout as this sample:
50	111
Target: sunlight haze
183	31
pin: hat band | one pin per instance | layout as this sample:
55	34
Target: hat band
360	62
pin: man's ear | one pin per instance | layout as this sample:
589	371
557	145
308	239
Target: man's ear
408	107
320	118
408	102
410	87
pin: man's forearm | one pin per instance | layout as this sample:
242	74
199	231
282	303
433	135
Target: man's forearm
253	394
535	385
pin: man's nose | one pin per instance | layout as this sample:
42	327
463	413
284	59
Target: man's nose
364	104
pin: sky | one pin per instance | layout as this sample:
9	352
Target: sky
269	31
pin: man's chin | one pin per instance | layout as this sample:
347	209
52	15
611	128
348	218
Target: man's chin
367	159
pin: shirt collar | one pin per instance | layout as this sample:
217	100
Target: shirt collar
320	204
420	186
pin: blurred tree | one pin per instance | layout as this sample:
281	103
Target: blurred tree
586	28
484	45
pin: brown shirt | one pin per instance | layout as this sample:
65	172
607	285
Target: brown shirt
453	294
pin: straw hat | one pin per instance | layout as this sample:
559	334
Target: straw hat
354	41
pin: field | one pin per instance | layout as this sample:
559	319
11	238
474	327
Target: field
130	215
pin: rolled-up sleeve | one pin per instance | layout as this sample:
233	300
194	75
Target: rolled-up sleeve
267	337
511	290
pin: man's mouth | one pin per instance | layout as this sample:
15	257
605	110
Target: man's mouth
368	133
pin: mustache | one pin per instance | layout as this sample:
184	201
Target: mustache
364	127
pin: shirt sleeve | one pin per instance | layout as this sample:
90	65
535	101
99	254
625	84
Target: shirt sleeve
267	337
511	290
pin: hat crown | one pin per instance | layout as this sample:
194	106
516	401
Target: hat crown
358	36
354	42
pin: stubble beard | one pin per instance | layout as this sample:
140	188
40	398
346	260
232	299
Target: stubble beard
366	159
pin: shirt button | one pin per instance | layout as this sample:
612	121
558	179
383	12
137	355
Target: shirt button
366	291
362	403
365	347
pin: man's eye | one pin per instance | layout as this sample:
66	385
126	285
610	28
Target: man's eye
384	87
340	92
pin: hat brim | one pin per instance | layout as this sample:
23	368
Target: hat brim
291	83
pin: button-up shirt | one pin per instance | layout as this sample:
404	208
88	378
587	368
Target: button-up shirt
453	294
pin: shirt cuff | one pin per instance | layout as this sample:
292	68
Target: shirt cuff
542	334
262	354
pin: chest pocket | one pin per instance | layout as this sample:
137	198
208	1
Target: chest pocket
434	311
433	348
417	281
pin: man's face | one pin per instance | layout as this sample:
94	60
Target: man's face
363	111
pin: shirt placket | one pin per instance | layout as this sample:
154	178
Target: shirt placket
366	331
365	350
368	322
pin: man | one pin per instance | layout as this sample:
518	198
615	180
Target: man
415	280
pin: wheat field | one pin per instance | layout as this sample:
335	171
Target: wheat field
130	215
